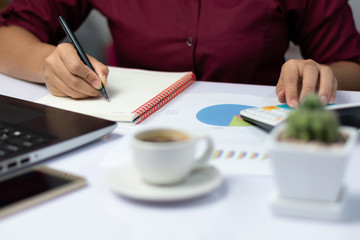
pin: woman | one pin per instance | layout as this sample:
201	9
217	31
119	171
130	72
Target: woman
230	41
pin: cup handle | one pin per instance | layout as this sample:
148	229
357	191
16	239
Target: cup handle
200	161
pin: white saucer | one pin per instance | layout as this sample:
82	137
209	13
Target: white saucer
126	181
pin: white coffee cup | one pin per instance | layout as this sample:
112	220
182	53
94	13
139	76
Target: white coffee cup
167	155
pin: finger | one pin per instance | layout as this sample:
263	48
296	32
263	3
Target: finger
101	70
61	93
60	88
54	90
282	96
280	89
333	91
76	67
326	83
75	83
291	78
310	76
75	86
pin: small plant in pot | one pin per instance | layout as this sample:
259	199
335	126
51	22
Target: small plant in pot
309	153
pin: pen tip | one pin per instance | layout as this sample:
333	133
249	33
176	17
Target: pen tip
106	97
104	93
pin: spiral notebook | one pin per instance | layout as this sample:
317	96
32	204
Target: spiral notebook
135	94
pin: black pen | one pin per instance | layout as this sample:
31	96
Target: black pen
81	53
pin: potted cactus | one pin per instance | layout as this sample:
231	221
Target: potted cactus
309	153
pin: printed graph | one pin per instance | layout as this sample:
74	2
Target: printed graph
254	161
223	115
239	155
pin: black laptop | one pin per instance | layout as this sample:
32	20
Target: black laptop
32	132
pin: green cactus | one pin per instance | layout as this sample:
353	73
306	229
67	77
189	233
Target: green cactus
312	102
310	121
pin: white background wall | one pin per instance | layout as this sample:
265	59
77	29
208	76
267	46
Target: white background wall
355	5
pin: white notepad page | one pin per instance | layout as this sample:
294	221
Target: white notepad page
128	89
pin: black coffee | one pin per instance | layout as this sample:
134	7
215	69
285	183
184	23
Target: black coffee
163	136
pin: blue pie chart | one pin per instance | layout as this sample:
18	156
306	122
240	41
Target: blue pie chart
223	115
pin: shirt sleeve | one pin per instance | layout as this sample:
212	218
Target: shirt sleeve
40	17
325	31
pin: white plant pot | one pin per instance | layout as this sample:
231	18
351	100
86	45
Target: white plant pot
309	171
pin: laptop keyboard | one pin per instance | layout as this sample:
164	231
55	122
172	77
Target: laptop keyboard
14	140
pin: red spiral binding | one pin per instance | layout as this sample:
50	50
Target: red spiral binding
165	96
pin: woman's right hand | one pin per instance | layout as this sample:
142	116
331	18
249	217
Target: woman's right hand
66	75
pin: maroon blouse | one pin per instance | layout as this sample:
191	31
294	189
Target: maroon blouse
241	41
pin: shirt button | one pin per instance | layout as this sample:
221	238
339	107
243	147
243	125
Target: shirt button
189	41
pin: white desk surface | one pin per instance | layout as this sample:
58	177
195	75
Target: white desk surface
237	210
